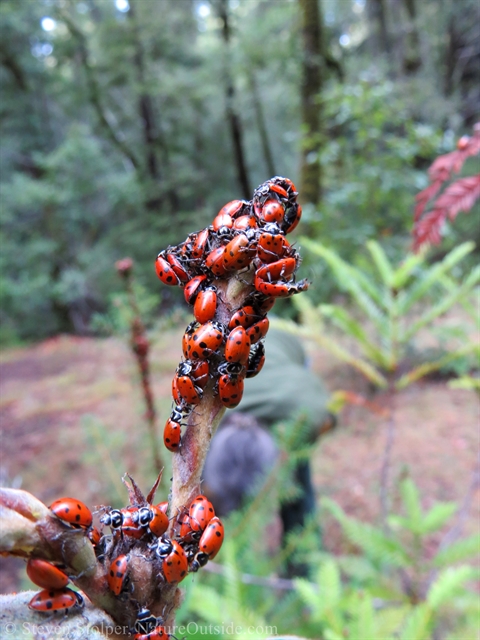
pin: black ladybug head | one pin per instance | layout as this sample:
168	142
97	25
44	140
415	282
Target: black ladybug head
145	621
113	519
164	547
184	368
144	516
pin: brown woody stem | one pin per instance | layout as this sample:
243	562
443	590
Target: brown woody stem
187	464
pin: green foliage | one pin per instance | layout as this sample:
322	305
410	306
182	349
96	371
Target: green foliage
393	589
390	308
119	314
78	187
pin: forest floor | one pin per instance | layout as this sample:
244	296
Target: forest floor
71	419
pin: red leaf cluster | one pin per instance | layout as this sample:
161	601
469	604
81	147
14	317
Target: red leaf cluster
458	196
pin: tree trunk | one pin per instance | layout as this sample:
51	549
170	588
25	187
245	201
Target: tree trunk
412	59
231	99
378	14
262	126
450	57
145	103
312	82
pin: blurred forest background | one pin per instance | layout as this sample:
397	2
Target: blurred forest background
127	124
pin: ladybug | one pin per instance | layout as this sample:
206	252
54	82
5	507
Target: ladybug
145	621
210	544
185	248
278	270
289	185
232	209
205	305
178	268
237	346
131	526
72	512
159	633
271	244
53	600
230	389
278	189
205	341
212	538
200	371
256	360
165	271
292	218
193	287
222	219
176	393
158	523
186	533
150	517
245	222
175	561
44	574
117	574
94	536
189	331
186	390
123	521
282	289
239	252
261	303
172	433
272	211
163	506
258	331
200	513
214	262
244	317
200	244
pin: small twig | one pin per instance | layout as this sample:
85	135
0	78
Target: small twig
387	459
141	347
456	531
464	510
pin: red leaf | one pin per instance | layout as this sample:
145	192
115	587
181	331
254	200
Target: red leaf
458	196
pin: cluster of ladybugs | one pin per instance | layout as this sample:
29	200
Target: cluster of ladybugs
242	235
198	536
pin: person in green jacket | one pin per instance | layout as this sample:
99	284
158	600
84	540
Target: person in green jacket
243	450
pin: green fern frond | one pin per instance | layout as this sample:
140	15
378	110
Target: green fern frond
432	276
447	584
461	550
370	539
417	624
381	262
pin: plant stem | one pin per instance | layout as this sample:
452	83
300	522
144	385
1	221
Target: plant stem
387	456
187	464
141	347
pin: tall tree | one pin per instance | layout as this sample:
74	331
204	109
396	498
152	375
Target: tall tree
261	123
145	102
378	14
412	59
312	84
233	117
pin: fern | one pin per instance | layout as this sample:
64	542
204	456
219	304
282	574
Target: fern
447	585
417	624
371	540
